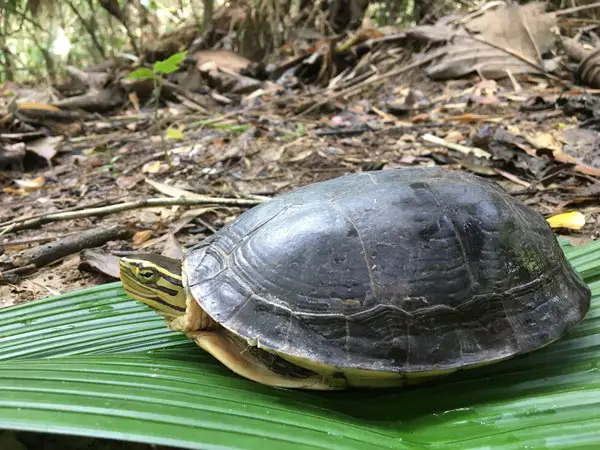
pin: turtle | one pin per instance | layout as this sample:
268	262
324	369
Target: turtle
373	279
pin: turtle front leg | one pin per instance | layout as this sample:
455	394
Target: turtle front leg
194	319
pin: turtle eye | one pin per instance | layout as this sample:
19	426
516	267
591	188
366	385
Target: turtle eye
147	275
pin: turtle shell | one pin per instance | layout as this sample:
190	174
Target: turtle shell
402	270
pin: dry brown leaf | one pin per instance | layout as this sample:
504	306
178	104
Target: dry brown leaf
302	155
384	115
45	147
36	105
220	59
172	191
423	117
9	190
135	101
582	144
454	136
485	93
579	166
524	30
141	236
127	182
93	259
273	153
543	140
172	248
516	131
186	218
407	138
32	185
478	118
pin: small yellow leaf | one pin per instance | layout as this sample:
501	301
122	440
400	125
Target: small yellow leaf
572	220
541	139
175	133
151	167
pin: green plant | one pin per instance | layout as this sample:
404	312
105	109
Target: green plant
297	133
156	74
110	166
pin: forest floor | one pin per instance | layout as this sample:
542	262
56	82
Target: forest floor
258	153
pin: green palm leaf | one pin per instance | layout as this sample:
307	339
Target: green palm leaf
95	363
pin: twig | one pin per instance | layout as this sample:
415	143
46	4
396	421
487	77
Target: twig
189	95
62	211
360	86
8	229
575	9
12	275
531	38
206	224
23	224
479	153
28	242
515	179
351	130
48	253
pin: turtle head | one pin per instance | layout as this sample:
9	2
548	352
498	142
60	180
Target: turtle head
156	281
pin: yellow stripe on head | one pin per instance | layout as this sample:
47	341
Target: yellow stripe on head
156	281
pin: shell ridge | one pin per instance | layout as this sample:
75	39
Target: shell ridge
450	223
374	286
371	178
250	233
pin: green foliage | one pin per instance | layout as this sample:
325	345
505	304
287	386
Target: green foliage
299	132
143	73
170	64
29	28
231	127
96	363
159	69
175	133
166	66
